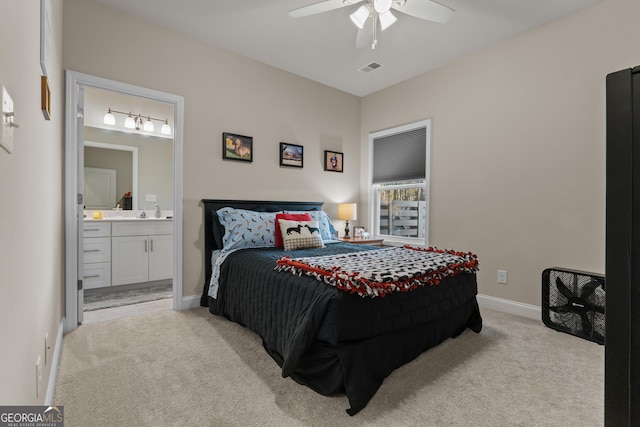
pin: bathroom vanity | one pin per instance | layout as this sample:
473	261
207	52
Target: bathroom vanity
122	251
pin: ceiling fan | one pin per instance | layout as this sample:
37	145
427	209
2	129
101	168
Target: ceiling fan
380	11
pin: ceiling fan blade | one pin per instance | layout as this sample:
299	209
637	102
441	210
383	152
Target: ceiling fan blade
323	6
364	36
424	9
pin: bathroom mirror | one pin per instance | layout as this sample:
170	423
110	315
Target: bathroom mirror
144	165
143	159
110	172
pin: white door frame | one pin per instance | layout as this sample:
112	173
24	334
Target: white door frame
75	80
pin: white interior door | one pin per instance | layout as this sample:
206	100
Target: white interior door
80	204
99	188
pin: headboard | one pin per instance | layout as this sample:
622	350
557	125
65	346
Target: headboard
212	205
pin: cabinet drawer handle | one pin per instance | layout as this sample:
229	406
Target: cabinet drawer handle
92	250
91	229
92	276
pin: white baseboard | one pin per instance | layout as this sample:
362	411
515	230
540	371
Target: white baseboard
190	302
55	363
512	307
508	306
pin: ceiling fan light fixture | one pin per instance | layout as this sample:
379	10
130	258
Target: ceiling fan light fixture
382	6
386	20
360	16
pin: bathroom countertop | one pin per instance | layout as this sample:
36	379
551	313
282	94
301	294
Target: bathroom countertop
124	218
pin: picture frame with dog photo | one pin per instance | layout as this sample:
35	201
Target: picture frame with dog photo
333	161
237	147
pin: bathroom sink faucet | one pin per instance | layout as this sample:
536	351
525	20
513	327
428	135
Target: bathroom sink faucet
143	214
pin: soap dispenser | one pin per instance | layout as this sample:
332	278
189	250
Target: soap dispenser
158	212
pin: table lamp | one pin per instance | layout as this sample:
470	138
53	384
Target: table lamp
346	212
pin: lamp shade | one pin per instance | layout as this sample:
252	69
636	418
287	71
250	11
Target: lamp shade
360	16
166	129
347	211
129	122
109	118
148	125
382	6
386	19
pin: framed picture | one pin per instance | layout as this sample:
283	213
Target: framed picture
45	97
358	232
333	161
237	147
290	155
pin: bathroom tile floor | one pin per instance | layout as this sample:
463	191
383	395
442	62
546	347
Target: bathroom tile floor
127	311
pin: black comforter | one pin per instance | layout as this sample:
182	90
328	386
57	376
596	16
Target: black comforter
321	336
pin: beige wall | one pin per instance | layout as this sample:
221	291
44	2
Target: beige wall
31	200
518	145
518	149
223	92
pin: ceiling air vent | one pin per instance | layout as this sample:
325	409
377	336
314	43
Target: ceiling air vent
370	67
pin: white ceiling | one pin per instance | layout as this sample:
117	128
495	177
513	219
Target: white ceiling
322	47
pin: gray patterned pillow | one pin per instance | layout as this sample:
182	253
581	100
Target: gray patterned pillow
300	234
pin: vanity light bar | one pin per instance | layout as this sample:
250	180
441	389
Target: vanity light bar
137	121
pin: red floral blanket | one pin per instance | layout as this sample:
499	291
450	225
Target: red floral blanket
381	271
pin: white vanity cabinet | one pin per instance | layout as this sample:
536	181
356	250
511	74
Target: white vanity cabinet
96	254
141	251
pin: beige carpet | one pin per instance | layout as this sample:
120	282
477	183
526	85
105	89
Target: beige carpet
193	369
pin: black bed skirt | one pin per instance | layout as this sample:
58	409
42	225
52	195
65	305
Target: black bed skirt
357	369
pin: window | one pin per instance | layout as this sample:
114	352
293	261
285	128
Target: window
399	184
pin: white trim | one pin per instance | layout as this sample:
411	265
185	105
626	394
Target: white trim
71	206
512	307
190	302
55	363
74	80
373	213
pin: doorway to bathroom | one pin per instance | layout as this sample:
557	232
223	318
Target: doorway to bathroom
118	252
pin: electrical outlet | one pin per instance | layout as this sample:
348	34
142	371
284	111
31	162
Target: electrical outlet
38	377
502	276
150	198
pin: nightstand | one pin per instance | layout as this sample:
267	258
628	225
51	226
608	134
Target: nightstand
361	241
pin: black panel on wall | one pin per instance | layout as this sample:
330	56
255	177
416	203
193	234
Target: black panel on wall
622	347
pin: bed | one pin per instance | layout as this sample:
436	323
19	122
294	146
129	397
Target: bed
331	340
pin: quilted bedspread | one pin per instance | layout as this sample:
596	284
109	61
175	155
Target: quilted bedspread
291	312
